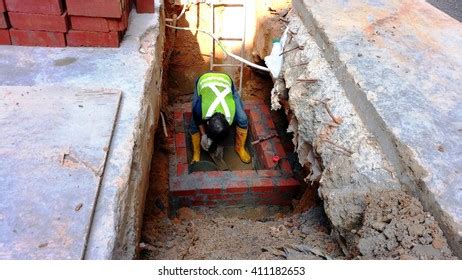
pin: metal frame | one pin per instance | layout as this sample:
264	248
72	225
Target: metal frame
212	55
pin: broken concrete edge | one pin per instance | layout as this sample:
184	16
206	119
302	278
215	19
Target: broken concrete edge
407	168
330	138
115	231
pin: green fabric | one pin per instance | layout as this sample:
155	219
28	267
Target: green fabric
222	82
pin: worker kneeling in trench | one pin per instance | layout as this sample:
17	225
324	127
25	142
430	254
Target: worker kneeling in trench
216	106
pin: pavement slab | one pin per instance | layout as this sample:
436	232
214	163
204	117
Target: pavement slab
53	152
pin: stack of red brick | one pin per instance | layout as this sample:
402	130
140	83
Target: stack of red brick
73	23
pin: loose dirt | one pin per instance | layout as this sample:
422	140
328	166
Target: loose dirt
396	227
239	233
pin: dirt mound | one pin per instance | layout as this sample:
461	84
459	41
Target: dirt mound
395	226
239	234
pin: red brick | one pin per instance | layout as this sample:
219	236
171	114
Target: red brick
236	196
258	130
285	165
216	174
187	116
180	141
181	155
5	37
264	147
181	169
270	124
3	21
96	24
2	7
255	116
199	203
244	173
144	6
266	159
37	38
236	187
210	191
263	185
89	24
263	182
218	197
268	173
183	193
47	7
93	39
278	148
288	184
178	118
100	8
39	22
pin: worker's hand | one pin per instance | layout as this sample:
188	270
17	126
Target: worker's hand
206	142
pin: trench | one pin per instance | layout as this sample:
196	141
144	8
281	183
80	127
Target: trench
246	229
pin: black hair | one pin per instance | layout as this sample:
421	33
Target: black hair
217	128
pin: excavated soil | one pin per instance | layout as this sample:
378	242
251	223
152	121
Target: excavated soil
239	233
396	227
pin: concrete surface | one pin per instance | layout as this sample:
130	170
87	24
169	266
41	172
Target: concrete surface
343	157
451	7
51	166
135	70
400	63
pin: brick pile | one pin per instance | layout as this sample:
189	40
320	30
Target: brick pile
73	23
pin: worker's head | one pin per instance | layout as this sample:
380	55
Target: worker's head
217	128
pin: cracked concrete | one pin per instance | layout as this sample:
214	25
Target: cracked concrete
398	62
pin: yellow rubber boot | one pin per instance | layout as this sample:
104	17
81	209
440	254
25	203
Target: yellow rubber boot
241	136
196	145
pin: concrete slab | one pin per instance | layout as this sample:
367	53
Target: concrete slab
53	153
451	7
135	70
400	63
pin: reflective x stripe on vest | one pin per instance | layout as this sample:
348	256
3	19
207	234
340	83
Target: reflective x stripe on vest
216	92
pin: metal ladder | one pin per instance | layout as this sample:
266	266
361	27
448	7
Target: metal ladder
219	3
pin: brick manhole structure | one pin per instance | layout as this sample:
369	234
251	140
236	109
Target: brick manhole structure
272	183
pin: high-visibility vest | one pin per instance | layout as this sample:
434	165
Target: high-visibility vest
215	90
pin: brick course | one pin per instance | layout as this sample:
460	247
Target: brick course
100	23
37	38
47	7
81	23
3	21
5	37
272	185
100	8
144	6
93	39
38	22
